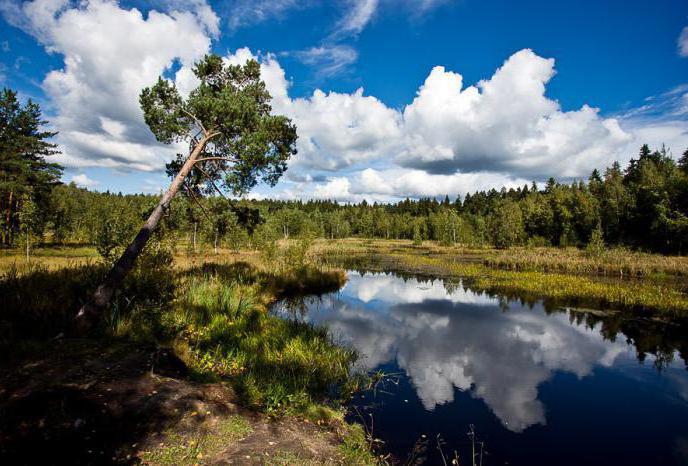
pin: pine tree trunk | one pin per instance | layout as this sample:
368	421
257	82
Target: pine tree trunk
216	241
91	311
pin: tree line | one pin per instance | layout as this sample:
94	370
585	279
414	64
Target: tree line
644	205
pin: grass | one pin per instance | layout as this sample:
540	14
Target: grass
191	447
483	270
615	262
215	315
52	258
354	450
276	365
214	312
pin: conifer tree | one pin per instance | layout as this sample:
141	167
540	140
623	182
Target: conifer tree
234	143
24	147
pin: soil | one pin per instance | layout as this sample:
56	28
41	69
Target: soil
91	402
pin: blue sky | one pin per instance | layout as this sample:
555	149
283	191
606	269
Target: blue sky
392	98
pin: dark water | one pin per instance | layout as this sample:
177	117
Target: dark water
539	386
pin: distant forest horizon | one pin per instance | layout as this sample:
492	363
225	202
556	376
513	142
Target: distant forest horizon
643	205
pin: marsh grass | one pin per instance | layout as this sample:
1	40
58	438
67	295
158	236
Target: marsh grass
615	262
656	284
277	365
214	313
38	302
51	258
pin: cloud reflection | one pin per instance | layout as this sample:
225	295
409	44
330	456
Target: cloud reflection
458	339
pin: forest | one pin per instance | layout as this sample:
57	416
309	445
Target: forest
643	205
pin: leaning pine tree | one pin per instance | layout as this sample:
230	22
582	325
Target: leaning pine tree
234	142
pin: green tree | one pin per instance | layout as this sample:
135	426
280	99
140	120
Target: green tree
234	143
683	162
23	167
595	247
505	225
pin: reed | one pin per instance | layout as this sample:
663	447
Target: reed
654	286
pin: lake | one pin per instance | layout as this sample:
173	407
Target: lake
536	385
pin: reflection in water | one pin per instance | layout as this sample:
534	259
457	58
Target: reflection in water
501	356
446	337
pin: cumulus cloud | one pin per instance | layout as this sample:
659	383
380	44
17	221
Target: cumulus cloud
412	183
505	123
110	54
447	339
452	138
335	188
336	130
83	181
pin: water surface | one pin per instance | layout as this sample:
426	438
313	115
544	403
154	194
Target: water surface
539	386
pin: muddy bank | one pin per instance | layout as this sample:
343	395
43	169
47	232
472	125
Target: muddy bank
87	402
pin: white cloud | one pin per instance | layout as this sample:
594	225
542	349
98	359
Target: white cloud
391	185
505	124
336	130
663	119
454	139
328	60
683	42
110	54
335	188
399	182
247	12
83	181
359	15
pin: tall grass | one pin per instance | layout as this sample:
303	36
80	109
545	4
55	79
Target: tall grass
274	364
215	315
38	302
619	262
646	295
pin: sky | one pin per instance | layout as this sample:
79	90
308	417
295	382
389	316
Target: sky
391	98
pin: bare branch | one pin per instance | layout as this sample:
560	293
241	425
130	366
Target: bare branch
213	158
219	191
193	196
198	122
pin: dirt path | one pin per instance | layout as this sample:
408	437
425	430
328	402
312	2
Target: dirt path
84	402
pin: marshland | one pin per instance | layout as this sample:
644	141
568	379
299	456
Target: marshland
215	254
